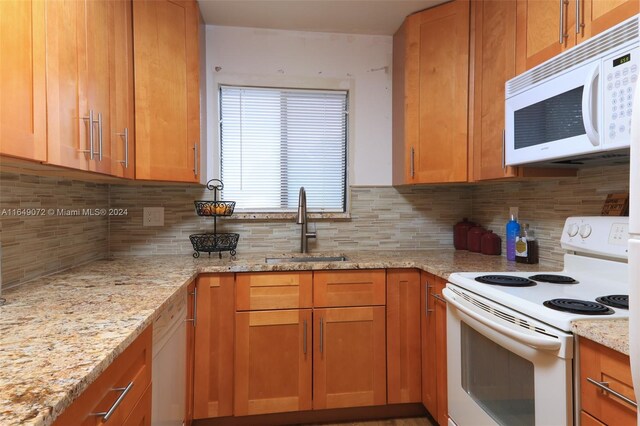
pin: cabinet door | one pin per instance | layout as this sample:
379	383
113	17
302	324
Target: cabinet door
23	116
213	371
68	127
539	30
122	133
606	365
495	63
600	15
273	290
141	413
440	307
428	339
349	357
273	362
349	288
167	98
403	336
441	37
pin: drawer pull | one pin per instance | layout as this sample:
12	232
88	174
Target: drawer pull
605	387
107	414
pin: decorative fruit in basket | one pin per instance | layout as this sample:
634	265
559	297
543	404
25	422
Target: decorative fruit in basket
220	209
207	209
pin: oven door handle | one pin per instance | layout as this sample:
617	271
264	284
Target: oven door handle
590	90
538	342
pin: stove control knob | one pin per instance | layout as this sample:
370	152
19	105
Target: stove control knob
572	230
585	230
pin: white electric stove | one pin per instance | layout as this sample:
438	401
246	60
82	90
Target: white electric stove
509	342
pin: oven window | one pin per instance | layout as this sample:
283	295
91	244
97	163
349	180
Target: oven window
499	381
553	119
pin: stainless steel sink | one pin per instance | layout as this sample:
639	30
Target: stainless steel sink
273	260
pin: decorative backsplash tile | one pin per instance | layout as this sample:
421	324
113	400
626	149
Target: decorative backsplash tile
46	226
381	217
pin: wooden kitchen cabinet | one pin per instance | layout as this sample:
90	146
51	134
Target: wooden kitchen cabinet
214	344
605	365
434	346
403	336
191	352
430	96
23	115
349	357
274	290
494	64
540	25
167	89
273	361
132	370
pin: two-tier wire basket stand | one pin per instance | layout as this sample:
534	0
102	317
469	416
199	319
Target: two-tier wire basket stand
214	242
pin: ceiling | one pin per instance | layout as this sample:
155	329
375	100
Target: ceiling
378	17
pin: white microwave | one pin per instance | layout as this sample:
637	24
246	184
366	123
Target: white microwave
576	108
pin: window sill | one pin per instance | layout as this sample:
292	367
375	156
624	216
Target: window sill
288	216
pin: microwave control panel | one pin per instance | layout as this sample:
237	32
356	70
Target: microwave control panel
620	78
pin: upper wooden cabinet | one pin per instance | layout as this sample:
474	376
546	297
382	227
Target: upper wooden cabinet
547	27
87	45
430	96
22	79
167	96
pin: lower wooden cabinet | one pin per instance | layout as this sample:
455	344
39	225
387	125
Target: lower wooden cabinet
349	357
191	337
403	336
273	361
434	347
612	370
213	378
129	378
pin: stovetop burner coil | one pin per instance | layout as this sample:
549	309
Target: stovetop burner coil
620	301
575	306
553	279
505	280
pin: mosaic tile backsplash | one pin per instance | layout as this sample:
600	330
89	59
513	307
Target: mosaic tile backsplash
381	218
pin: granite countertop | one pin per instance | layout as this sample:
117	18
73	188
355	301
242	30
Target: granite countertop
59	333
612	333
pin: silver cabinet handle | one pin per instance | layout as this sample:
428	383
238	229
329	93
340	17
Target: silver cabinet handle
107	414
426	299
195	159
99	136
504	139
579	25
605	387
195	306
89	119
411	166
304	338
125	136
438	297
321	335
563	3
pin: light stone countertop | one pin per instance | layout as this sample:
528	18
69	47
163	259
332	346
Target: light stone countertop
612	333
59	333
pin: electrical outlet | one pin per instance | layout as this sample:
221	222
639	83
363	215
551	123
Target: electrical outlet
153	216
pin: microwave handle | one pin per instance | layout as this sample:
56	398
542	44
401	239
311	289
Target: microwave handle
590	90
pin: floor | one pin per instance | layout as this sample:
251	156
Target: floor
415	421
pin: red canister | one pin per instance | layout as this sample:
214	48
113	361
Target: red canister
491	243
473	238
460	231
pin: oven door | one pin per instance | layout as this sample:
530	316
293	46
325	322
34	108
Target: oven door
504	368
554	119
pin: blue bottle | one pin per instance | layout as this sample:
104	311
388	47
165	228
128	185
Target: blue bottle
513	231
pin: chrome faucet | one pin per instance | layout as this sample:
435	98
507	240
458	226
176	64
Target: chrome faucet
302	220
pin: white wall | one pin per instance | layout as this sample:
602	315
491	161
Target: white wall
359	63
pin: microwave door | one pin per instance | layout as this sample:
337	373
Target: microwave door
555	119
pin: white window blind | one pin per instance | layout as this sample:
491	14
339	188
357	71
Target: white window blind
273	141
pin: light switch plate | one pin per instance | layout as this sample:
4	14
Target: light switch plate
153	216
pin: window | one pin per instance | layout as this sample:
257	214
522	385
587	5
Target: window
273	141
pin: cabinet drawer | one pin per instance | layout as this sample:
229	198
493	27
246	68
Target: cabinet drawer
141	413
132	370
602	364
349	288
273	290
